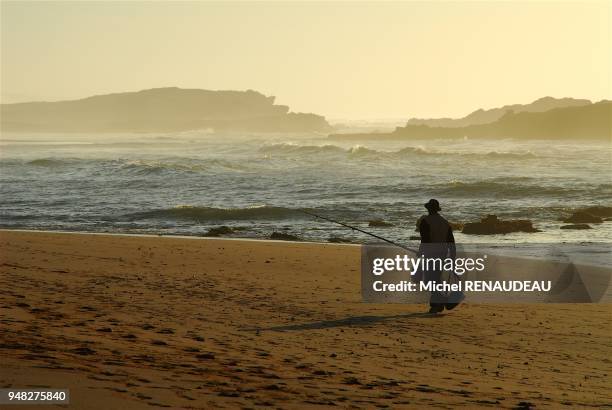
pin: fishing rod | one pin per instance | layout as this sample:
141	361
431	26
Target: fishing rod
357	229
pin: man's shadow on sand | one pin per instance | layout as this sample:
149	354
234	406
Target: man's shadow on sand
354	321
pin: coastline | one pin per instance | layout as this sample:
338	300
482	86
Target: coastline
140	320
151	235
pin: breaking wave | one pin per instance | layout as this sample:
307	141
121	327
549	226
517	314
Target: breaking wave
287	148
48	162
360	151
155	167
138	166
514	190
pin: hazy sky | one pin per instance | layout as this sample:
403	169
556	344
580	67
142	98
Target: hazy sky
343	60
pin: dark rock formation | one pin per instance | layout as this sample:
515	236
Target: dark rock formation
576	226
379	223
160	110
218	231
486	116
491	225
601	211
591	121
581	217
456	226
281	236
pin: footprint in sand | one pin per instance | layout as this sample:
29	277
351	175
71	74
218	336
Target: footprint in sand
322	373
84	351
104	330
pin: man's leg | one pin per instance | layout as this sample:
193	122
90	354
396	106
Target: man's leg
437	300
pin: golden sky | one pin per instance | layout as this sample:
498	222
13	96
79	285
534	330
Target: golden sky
355	60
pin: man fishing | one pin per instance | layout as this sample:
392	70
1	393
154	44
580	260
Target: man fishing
437	241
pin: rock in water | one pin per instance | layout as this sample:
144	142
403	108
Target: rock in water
600	211
336	239
379	223
576	226
491	225
221	230
280	236
582	217
456	226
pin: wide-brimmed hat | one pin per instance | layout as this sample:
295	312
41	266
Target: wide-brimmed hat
433	205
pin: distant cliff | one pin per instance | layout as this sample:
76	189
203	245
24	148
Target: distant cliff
160	110
592	121
491	115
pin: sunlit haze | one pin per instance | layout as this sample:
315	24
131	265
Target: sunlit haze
341	60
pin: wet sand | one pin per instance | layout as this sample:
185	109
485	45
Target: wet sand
135	322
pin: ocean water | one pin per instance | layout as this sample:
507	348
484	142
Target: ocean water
186	183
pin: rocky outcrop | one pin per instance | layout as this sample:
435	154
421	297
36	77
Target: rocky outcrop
601	211
219	231
379	223
160	110
456	226
491	225
281	236
576	226
582	217
486	116
591	121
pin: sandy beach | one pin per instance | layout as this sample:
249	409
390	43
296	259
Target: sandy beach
141	321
